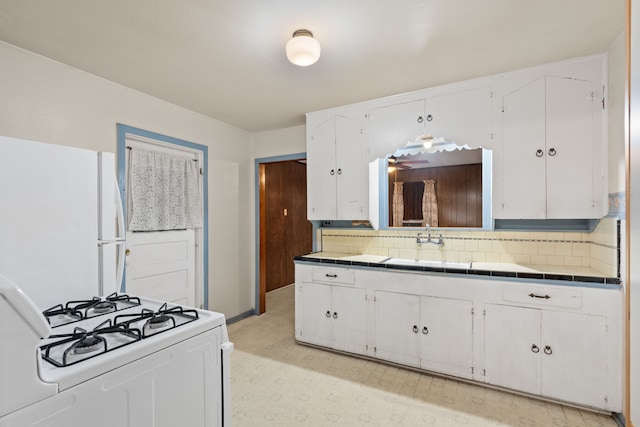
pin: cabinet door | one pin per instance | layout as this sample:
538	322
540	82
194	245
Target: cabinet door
321	171
397	320
512	347
446	329
352	170
569	148
574	358
392	127
349	315
316	314
524	173
462	117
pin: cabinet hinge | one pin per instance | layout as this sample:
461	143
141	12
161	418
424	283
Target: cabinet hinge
472	369
201	171
484	312
492	136
491	94
374	299
606	398
366	347
375	349
473	311
484	372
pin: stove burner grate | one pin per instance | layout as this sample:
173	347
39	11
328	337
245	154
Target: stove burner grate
59	310
162	320
82	345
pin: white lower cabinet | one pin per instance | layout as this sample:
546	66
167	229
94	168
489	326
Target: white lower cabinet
432	333
557	342
561	355
334	316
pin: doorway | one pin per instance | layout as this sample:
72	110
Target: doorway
166	264
283	229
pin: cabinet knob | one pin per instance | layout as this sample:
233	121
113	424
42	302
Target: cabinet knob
420	119
552	152
425	330
339	171
328	313
335	314
429	117
547	350
332	172
415	329
535	348
539	153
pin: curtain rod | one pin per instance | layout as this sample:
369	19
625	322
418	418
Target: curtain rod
131	148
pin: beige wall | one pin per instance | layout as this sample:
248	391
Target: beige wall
616	100
51	102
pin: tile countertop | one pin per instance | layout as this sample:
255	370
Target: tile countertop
541	272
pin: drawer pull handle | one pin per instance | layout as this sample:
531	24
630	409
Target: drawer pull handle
415	329
532	295
328	313
333	276
425	330
535	348
547	350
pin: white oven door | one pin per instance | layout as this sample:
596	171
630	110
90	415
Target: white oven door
178	386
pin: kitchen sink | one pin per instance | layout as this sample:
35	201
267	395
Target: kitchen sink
422	263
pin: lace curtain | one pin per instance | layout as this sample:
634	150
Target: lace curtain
398	204
163	192
429	204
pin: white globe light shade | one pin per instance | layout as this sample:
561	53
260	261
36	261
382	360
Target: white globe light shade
303	49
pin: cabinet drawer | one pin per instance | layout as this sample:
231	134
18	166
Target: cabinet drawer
548	297
333	275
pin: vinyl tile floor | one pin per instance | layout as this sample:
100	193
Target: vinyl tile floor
277	382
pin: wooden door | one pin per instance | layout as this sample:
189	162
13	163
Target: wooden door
284	228
162	265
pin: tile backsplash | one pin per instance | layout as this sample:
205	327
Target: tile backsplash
598	250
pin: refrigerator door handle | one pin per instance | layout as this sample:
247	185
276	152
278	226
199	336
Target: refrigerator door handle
119	213
121	238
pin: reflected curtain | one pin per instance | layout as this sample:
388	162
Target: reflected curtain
163	192
429	204
398	204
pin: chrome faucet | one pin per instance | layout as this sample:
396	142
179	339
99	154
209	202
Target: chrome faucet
420	240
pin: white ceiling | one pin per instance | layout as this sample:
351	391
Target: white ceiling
225	58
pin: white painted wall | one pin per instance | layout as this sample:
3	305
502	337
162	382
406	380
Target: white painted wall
47	101
616	108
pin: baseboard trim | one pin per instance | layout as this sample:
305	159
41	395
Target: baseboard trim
240	317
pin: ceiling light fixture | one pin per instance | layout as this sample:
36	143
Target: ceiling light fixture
303	49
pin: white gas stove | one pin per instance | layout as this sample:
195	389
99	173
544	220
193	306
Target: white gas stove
154	364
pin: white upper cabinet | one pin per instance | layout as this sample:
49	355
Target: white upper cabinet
553	158
392	126
337	171
546	127
463	117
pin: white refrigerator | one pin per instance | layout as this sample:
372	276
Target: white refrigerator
61	221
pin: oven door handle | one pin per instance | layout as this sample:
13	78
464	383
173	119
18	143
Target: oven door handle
226	349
